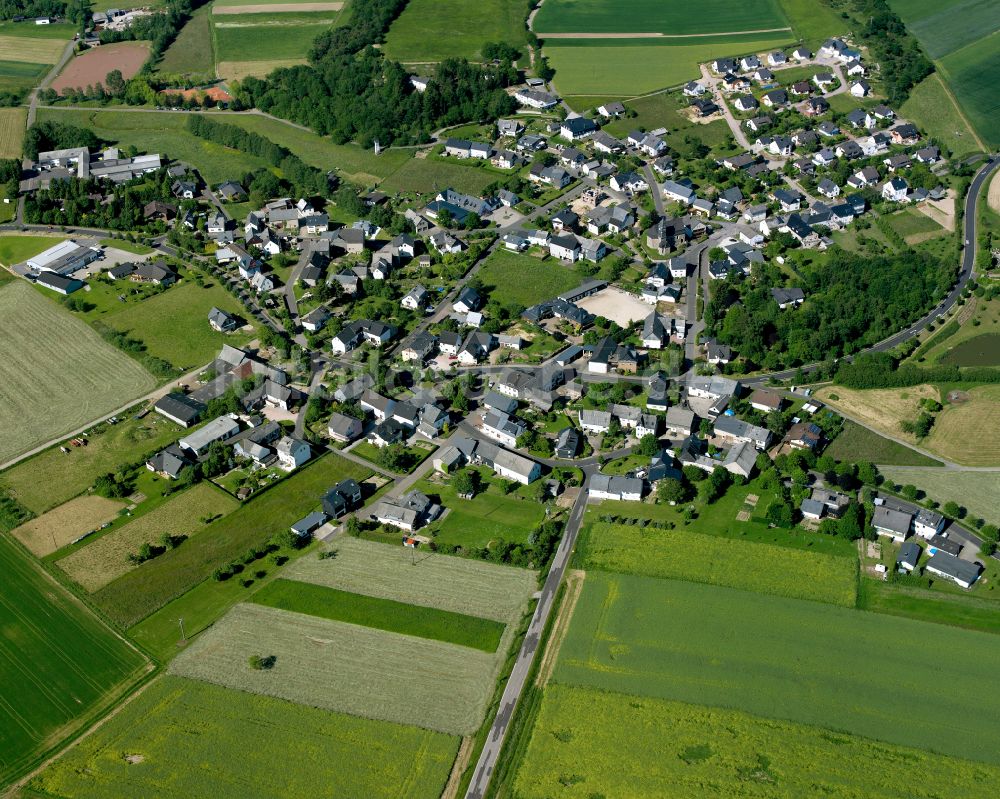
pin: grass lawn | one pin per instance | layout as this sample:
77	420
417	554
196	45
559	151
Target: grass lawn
59	665
345	667
156	320
980	350
182	516
856	443
413	456
84	377
783	659
979	319
523	280
197	739
755	566
53	477
607	16
381	614
11	129
933	109
693	750
417	33
234	41
192	52
970	612
489	516
628	67
135	595
163	133
430	174
15	248
133	247
910	222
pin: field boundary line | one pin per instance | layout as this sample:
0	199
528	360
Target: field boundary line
947	90
574	587
454	783
648	35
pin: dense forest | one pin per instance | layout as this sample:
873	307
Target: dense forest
852	302
307	181
32	8
881	370
350	91
44	136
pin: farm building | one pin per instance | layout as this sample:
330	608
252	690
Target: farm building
63	258
179	408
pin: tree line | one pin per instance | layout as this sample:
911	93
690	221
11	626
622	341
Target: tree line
902	63
881	370
32	8
307	180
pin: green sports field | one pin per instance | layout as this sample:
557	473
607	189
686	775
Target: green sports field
785	659
83	379
655	16
187	738
381	614
750	565
698	752
58	664
427	29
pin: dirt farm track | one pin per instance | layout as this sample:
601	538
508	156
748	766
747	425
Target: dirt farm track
93	66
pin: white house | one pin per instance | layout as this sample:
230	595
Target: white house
292	452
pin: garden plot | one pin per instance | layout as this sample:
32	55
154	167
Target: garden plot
63	525
346	668
437	581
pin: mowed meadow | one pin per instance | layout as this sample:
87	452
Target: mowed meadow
75	376
59	665
788	659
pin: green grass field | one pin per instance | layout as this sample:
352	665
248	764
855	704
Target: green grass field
196	739
753	566
981	350
135	595
628	67
428	174
52	477
812	21
605	16
381	614
513	279
944	27
58	664
15	248
106	558
155	322
83	378
856	443
192	52
913	602
786	659
978	492
427	29
346	668
577	749
235	41
163	133
932	109
458	585
11	130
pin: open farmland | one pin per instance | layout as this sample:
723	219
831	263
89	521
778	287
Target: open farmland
58	663
106	559
977	492
982	350
438	581
11	128
90	68
950	437
195	739
61	526
83	378
346	668
754	566
513	279
135	595
156	320
934	110
418	34
697	752
880	409
52	477
786	659
944	27
629	67
655	16
381	614
193	50
14	248
30	50
856	443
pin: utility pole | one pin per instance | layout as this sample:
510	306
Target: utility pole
183	640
